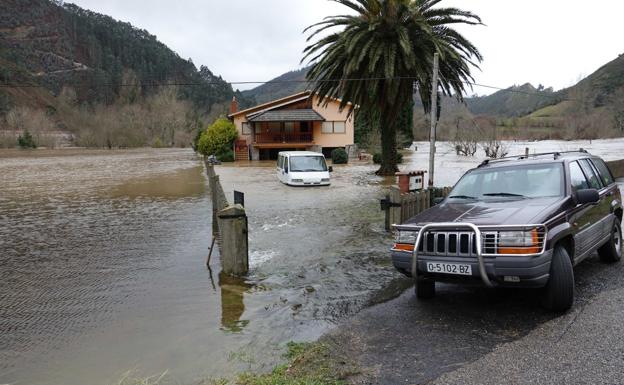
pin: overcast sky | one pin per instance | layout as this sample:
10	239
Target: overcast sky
552	42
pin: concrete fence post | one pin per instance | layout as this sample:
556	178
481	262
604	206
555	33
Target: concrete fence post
234	241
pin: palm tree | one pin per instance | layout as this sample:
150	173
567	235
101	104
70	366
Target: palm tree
383	52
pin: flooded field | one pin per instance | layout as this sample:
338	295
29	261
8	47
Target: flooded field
102	261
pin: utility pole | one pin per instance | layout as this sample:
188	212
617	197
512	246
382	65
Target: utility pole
434	117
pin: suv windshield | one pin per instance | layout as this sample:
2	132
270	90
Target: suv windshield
307	163
520	181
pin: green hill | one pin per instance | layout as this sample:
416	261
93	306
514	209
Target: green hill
513	102
603	87
603	90
594	106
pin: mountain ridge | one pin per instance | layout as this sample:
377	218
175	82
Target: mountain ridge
603	88
62	59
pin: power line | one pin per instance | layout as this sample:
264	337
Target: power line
154	83
508	89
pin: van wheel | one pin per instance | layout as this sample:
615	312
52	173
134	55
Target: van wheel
424	288
612	250
559	291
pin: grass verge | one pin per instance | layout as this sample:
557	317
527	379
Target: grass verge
316	363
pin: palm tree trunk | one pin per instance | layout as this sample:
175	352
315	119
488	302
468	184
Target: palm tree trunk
388	145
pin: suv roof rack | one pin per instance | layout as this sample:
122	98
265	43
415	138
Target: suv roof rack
555	154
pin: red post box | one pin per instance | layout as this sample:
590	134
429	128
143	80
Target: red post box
410	180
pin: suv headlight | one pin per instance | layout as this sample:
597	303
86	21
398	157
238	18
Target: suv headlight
407	237
518	242
405	241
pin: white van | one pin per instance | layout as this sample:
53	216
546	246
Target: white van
302	168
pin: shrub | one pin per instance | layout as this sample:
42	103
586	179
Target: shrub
377	158
218	138
339	156
226	155
26	140
495	149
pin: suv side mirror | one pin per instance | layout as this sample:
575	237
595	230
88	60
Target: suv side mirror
331	169
437	200
589	195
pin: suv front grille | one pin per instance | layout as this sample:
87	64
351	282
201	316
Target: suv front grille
462	243
455	243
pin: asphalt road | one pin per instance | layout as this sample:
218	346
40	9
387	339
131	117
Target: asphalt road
478	336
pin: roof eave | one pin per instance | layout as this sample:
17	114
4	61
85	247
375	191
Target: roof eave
269	104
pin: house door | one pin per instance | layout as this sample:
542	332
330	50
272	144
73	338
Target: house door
305	132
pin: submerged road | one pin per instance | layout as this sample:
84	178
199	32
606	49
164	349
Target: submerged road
477	336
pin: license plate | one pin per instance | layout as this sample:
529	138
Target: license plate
449	268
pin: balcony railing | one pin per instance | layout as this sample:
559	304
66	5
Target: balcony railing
284	138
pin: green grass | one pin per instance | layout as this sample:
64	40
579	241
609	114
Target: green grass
308	364
555	110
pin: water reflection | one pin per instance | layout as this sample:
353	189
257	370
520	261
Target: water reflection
232	304
182	183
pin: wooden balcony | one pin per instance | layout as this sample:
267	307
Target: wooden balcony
284	138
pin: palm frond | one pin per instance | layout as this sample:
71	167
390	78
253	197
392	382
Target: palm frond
391	43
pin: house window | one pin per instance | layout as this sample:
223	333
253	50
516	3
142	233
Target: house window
289	127
274	126
328	127
333	128
339	127
246	129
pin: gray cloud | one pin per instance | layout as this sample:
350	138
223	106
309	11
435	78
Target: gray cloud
550	42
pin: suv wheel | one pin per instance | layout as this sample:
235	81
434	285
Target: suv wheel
559	291
612	250
425	288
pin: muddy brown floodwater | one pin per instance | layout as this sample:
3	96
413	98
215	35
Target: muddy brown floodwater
102	262
102	266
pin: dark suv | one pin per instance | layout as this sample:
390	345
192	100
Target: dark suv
520	221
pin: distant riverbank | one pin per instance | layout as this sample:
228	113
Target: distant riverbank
72	151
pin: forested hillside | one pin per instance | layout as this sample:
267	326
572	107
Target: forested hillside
72	68
283	85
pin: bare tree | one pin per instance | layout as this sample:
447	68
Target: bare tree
465	141
36	122
495	149
490	142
